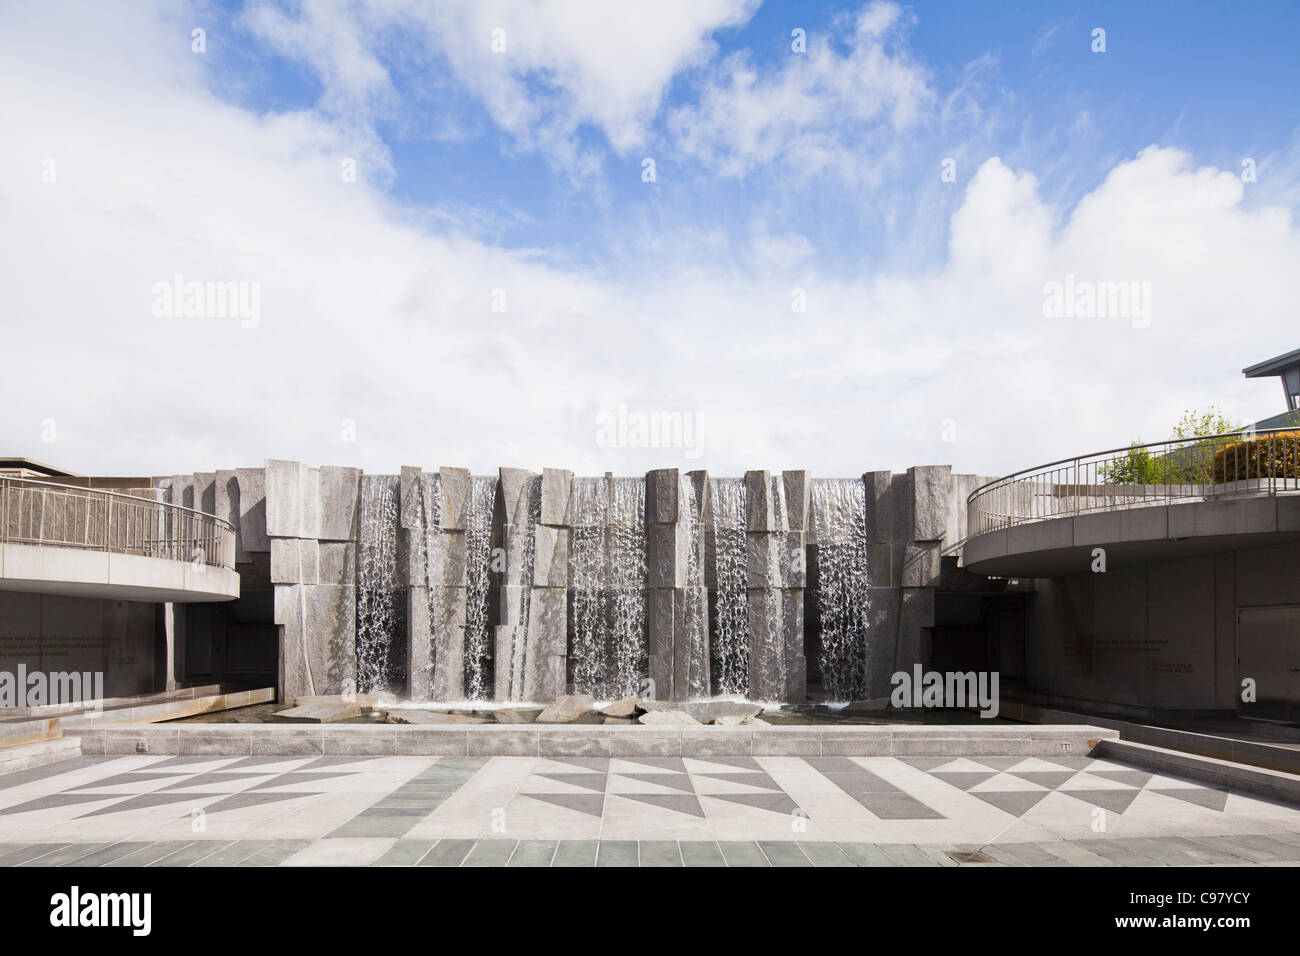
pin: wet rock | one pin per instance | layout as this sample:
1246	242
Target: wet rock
320	712
627	707
516	715
566	709
667	717
432	717
704	711
732	720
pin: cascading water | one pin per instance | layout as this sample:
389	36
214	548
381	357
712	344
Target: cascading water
730	635
478	566
840	516
377	604
608	654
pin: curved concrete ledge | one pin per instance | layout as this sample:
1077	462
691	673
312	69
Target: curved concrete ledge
1134	535
526	740
49	569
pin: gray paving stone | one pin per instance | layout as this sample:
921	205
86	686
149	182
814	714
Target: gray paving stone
405	853
825	854
67	854
233	855
1258	849
905	854
659	853
701	853
276	852
617	853
743	854
198	850
448	853
1119	851
1029	854
491	853
149	853
575	853
1206	850
17	853
1076	855
111	852
1164	850
784	853
533	853
867	854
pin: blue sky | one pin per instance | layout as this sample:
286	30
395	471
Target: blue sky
780	178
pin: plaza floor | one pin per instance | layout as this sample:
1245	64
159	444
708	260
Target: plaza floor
517	811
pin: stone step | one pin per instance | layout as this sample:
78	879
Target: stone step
39	753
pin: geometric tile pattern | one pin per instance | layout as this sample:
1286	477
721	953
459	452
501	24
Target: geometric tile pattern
625	811
1017	784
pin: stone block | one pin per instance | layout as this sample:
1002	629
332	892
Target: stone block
252	509
514	490
798	498
292	499
447	681
766	644
930	485
691	642
662	490
339	503
410	507
761	510
550	556
916	615
666	555
446	559
763	560
793	559
336	563
455	486
419	644
205	491
699	480
294	561
227	508
557	496
879	505
921	564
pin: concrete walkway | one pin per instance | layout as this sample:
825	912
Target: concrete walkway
758	811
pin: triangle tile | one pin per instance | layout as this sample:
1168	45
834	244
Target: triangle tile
204	779
677	781
145	800
1087	780
299	778
1116	801
58	800
132	777
592	804
749	779
1007	782
999	763
589	764
1037	765
1200	796
1044	778
925	763
237	801
1014	802
663	764
960	765
587	781
964	780
1133	778
716	765
682	803
774	802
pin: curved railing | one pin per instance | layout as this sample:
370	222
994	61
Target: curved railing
1247	462
65	516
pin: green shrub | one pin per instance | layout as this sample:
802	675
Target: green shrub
1268	456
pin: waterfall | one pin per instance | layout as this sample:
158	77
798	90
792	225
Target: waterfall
378	620
730	632
607	600
478	566
840	518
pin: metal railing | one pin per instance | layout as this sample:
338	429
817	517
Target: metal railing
65	516
1236	463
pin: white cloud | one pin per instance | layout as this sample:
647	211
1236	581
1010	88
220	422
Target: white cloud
820	110
540	68
370	318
